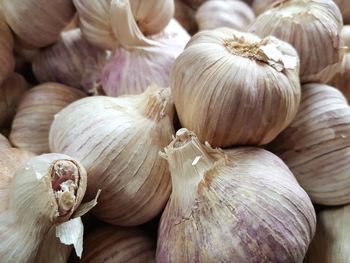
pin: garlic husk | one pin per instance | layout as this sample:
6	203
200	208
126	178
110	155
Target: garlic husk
316	145
221	13
118	244
4	143
185	15
344	6
72	61
225	77
44	193
260	6
345	36
11	91
341	80
38	23
118	140
11	159
313	28
100	23
331	242
242	204
7	60
35	114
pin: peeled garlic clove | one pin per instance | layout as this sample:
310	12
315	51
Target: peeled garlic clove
313	28
225	77
220	13
185	15
38	22
344	6
345	36
260	6
316	145
35	196
244	205
331	242
4	143
118	244
118	140
7	60
341	80
11	91
72	61
35	114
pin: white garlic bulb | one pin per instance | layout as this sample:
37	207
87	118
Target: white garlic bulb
244	205
225	77
315	146
313	28
117	141
222	13
35	113
7	60
260	6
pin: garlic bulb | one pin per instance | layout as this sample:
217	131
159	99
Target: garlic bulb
7	60
344	6
72	61
117	141
116	244
316	145
331	242
220	13
38	23
101	25
313	28
244	205
260	6
45	192
11	159
11	92
341	80
345	36
4	143
185	15
225	77
35	113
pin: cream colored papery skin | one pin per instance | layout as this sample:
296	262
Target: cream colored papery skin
345	36
248	207
118	144
316	146
215	92
315	34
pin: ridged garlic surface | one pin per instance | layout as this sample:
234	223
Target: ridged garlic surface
242	205
341	80
118	140
222	13
35	114
316	145
313	28
233	88
7	60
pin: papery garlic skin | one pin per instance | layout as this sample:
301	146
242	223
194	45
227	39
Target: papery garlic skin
221	13
7	60
313	29
344	6
35	114
341	80
4	143
225	77
71	61
345	36
260	6
35	203
118	140
316	145
38	23
244	205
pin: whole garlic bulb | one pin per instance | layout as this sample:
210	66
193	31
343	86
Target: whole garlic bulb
7	60
99	21
11	91
35	114
313	28
316	145
344	6
244	205
225	77
4	143
260	6
38	23
331	242
44	193
117	244
117	141
341	80
72	61
221	13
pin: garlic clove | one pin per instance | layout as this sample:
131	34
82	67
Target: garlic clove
341	80
313	29
242	204
214	97
221	13
344	7
38	22
260	6
72	61
316	145
185	15
118	140
36	112
4	143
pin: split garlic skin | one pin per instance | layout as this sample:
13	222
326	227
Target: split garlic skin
313	29
316	145
225	77
7	60
242	204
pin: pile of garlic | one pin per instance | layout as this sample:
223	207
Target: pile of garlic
174	131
